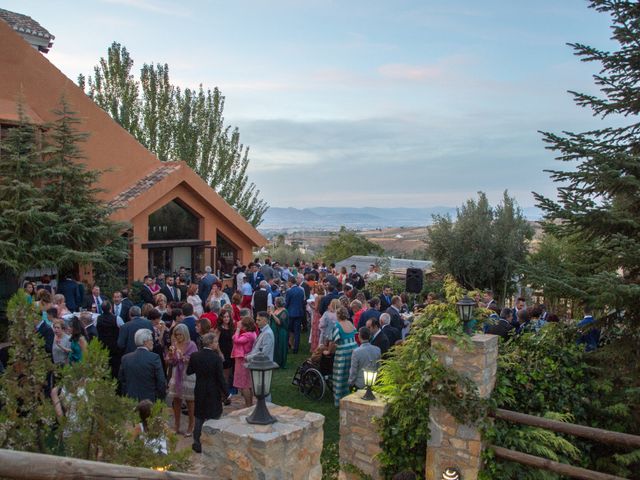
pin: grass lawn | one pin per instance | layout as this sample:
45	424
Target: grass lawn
284	393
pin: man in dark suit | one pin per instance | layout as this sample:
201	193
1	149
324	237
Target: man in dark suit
69	288
146	293
371	312
205	284
385	298
326	300
393	334
126	337
255	276
46	332
93	302
121	306
394	313
141	376
210	388
170	290
296	307
190	321
378	338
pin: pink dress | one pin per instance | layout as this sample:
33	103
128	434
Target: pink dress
242	345
314	341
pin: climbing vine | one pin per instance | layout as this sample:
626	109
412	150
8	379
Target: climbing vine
414	380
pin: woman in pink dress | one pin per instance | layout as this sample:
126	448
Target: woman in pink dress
243	341
314	339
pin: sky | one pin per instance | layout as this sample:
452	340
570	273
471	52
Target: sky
413	103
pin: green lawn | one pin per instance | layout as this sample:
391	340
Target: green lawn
284	393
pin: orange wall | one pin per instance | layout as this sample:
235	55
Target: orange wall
24	71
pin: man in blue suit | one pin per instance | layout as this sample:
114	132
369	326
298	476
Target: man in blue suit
255	276
206	282
69	288
295	304
190	321
141	375
126	337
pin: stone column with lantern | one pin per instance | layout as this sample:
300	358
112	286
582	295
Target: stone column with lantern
454	450
266	441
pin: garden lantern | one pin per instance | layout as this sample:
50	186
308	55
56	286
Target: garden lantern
369	379
465	308
261	368
451	474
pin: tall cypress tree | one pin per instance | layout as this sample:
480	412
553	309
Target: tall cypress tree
598	200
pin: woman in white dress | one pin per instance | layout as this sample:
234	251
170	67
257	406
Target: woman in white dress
218	295
194	299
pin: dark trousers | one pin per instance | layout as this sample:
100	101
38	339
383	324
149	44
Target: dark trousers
295	328
197	430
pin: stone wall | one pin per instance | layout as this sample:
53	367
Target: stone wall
288	449
359	439
452	444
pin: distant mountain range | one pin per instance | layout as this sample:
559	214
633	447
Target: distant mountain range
364	218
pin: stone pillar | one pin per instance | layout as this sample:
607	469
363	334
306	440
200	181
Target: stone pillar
288	449
452	444
359	438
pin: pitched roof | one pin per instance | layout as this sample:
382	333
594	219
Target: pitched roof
144	184
27	25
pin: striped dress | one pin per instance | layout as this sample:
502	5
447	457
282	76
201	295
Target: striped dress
346	344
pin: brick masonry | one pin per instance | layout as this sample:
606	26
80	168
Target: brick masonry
452	444
359	439
288	449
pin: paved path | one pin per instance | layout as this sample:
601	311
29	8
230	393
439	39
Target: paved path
237	402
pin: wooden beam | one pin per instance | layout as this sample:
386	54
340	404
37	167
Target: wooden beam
37	466
546	464
596	434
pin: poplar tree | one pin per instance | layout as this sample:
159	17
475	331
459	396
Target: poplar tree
177	124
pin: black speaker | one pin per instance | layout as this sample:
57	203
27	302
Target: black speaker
415	277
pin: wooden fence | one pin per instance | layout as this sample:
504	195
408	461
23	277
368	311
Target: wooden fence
595	434
37	466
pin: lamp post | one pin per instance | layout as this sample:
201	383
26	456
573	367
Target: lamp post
465	309
369	379
261	368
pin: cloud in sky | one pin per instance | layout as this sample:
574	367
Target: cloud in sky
154	6
417	102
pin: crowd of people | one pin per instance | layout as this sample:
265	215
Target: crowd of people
189	340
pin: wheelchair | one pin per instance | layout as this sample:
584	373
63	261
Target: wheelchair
314	379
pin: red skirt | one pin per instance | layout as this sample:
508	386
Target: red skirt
246	301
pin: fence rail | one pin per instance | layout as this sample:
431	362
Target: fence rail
595	434
37	466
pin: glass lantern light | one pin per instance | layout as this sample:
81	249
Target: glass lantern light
370	376
465	310
451	474
261	368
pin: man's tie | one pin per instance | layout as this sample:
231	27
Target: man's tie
98	305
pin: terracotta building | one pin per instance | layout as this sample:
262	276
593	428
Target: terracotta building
176	218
